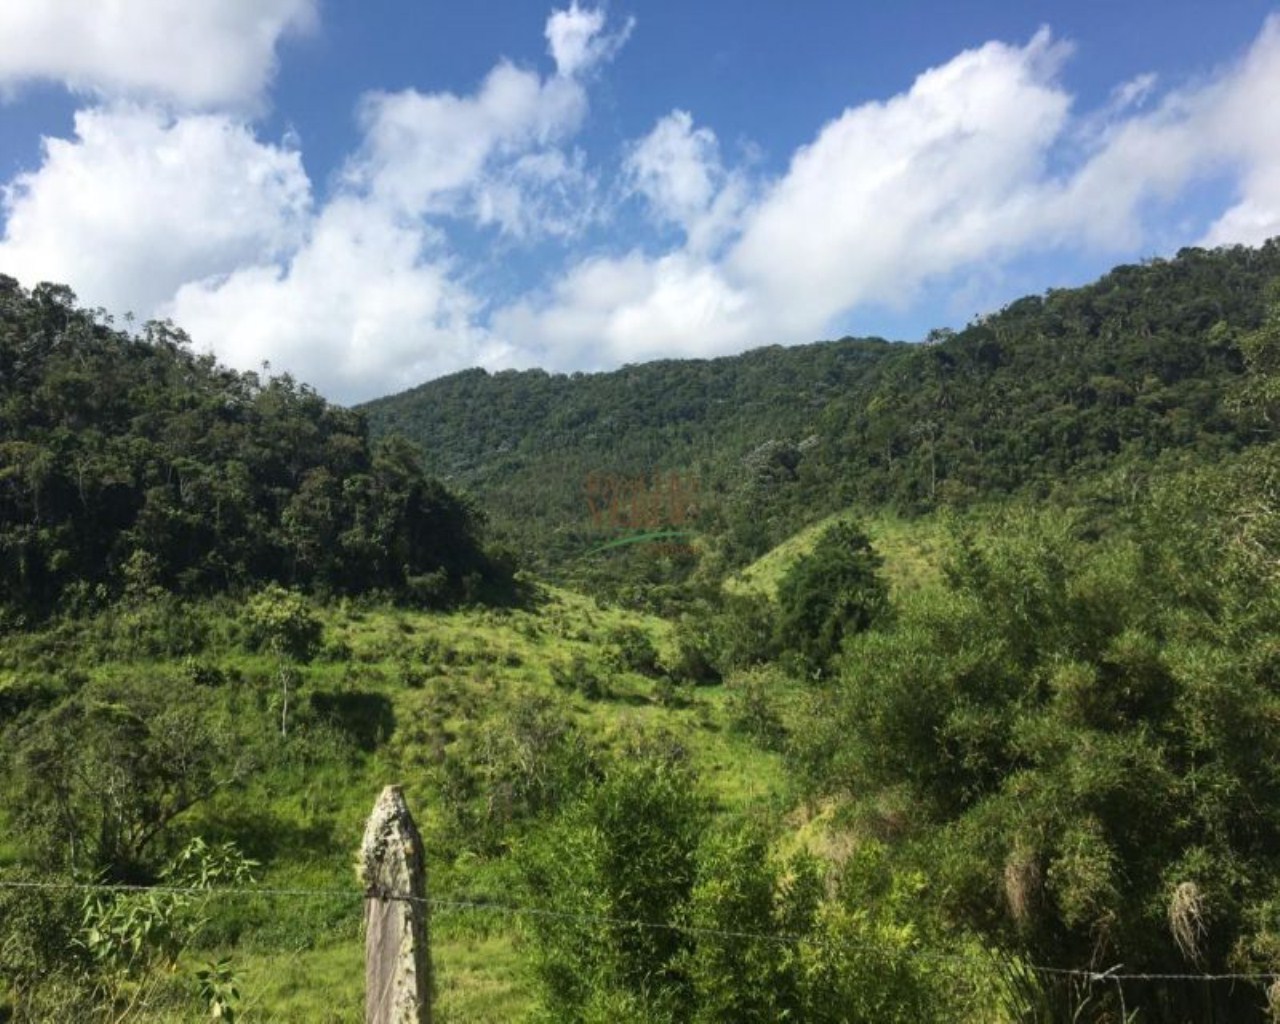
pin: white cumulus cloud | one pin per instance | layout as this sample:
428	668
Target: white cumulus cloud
609	310
577	41
1243	121
983	160
137	203
196	53
550	192
374	298
365	288
434	153
366	305
678	170
891	193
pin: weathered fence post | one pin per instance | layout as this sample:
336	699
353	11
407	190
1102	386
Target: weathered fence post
397	957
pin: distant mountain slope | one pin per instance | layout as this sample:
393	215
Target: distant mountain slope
1050	387
532	442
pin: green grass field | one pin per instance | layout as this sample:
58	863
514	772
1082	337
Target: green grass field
400	692
410	686
912	550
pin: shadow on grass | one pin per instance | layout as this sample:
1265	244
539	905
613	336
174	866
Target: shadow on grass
366	718
266	836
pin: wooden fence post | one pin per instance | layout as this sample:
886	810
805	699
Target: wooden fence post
397	957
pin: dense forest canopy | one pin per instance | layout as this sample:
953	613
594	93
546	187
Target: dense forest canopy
128	461
1050	387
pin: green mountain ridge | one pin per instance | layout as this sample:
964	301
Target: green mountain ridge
129	463
1050	387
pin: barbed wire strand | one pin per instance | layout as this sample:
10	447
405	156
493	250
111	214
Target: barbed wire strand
1111	974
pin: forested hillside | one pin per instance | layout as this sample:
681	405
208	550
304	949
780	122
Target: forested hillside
995	742
129	462
1051	387
529	442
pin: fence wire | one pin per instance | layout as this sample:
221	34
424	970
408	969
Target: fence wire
1112	974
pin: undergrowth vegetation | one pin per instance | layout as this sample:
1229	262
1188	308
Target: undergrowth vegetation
1016	761
1056	751
129	734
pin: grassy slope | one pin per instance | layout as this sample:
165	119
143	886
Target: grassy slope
426	675
911	549
301	957
498	656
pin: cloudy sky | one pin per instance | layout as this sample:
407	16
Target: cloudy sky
372	194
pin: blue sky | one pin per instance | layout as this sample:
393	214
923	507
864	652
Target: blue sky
369	195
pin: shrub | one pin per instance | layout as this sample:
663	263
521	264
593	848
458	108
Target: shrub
623	852
753	707
834	592
694	660
631	649
281	621
742	632
579	676
509	770
202	673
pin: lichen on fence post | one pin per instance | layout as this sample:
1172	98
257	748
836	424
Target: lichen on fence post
397	957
